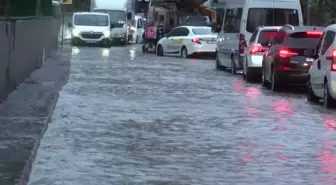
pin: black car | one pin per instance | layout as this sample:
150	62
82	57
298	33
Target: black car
290	56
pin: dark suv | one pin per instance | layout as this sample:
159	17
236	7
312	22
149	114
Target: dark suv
290	56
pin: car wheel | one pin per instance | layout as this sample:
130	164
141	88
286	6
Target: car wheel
328	101
159	51
311	97
184	52
264	82
218	65
274	84
73	43
247	73
233	67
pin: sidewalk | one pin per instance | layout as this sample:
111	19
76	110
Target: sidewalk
24	117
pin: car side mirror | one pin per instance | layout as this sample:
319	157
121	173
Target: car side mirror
69	24
129	16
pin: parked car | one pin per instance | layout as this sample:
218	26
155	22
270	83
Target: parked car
290	56
187	40
255	49
322	74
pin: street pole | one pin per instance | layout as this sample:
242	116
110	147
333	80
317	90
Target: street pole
308	12
62	25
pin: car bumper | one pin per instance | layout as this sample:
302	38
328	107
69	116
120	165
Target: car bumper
199	49
80	40
333	84
292	77
118	39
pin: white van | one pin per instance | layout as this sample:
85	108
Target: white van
90	28
242	17
138	29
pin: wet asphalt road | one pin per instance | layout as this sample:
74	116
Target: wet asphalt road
125	118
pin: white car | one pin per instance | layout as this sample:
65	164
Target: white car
257	46
187	40
322	74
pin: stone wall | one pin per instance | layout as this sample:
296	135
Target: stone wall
25	43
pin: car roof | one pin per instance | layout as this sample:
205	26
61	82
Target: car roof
332	26
91	13
192	27
268	27
303	29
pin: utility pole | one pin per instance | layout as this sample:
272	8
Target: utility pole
308	12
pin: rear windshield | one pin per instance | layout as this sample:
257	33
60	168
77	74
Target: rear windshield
302	40
201	31
271	17
265	36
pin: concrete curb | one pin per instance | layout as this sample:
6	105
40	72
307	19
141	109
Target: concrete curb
24	179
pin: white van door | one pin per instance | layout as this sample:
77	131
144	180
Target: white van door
139	31
230	36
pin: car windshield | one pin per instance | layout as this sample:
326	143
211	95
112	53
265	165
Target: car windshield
91	20
271	17
266	35
302	40
202	31
115	15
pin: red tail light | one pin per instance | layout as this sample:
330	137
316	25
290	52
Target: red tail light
196	40
285	53
333	60
314	33
257	49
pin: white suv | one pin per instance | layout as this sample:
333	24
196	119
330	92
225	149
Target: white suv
322	74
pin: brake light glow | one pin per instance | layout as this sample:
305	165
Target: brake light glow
257	49
333	60
314	33
285	53
196	40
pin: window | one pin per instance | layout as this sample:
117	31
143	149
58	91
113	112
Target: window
201	31
266	35
271	17
319	45
232	20
139	23
302	40
280	37
178	32
328	40
254	35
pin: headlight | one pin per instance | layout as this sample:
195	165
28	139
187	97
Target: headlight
107	33
75	32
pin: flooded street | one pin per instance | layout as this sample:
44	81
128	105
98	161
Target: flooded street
125	118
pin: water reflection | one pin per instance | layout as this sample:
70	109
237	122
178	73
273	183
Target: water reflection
329	123
132	53
283	109
105	52
327	172
75	51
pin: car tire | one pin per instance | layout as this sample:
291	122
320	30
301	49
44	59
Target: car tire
247	73
264	82
328	101
275	85
233	67
159	51
218	65
311	97
73	43
184	52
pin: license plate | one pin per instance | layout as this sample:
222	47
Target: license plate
294	62
210	42
91	41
